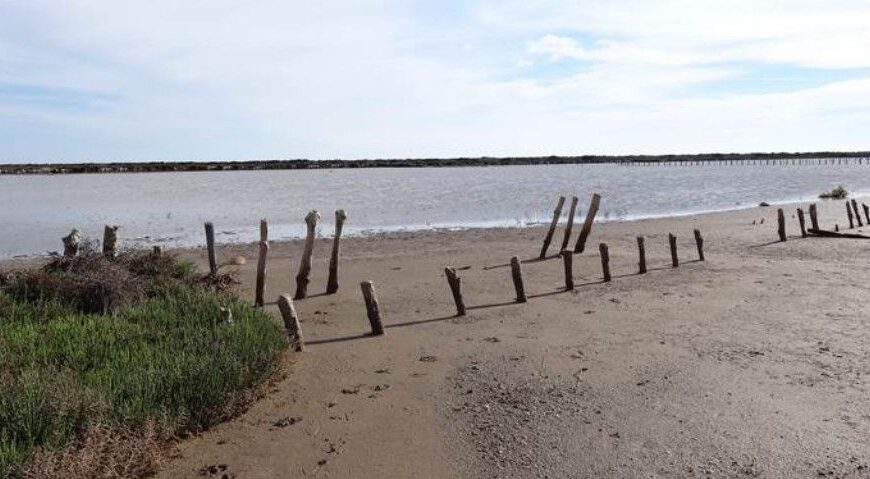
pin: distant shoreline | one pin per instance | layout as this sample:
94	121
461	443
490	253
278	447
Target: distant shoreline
305	164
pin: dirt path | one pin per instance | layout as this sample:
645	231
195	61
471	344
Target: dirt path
751	364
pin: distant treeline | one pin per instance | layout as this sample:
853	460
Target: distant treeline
303	164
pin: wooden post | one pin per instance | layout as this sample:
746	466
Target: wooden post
72	243
517	274
780	219
261	274
605	261
209	242
849	214
110	241
641	251
305	264
556	214
866	213
699	240
814	217
264	230
572	211
587	224
332	283
802	222
157	250
857	213
291	322
455	283
672	240
373	309
568	260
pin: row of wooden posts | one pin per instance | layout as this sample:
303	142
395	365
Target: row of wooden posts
852	213
291	318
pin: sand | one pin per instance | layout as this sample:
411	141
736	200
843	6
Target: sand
753	363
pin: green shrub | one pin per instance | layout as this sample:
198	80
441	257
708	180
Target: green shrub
163	356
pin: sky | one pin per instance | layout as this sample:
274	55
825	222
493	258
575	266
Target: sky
163	80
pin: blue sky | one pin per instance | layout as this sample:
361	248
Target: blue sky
102	80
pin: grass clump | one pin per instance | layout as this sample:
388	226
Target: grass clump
838	193
98	355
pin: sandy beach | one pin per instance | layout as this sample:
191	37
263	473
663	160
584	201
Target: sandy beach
752	363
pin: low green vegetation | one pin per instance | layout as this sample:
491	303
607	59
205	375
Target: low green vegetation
837	193
128	349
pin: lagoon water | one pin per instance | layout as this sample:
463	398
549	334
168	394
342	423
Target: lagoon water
170	208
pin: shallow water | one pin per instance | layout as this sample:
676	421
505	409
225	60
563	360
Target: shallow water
170	208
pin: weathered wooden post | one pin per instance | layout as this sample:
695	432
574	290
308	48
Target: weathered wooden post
264	230
866	211
261	274
305	264
556	214
641	251
72	243
157	250
110	241
209	242
455	283
605	261
780	219
572	211
814	217
699	240
517	274
802	222
332	283
568	260
672	240
373	309
587	224
849	214
857	213
291	322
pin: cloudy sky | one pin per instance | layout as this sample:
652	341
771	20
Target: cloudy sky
109	80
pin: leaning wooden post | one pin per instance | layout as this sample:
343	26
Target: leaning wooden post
641	251
72	243
587	225
305	265
261	274
866	213
209	242
332	283
373	309
672	240
455	283
802	222
291	322
857	213
849	214
572	211
568	260
699	240
605	261
110	241
814	217
517	274
780	220
556	214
